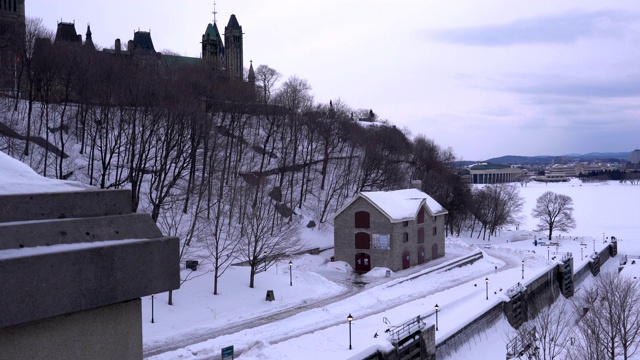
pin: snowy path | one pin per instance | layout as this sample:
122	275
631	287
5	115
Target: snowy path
327	313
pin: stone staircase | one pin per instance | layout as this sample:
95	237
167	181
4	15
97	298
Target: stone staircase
73	266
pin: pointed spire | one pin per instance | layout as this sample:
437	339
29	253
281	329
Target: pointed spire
252	75
88	43
214	12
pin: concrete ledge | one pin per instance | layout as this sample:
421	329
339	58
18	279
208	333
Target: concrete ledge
79	230
43	282
86	203
111	332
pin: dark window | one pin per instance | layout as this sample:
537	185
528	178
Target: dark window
420	235
434	219
435	230
405	223
363	241
421	216
405	237
362	220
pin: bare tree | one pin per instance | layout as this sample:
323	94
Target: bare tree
269	235
266	79
546	337
555	212
610	323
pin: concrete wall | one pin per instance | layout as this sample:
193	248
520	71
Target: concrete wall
72	269
111	332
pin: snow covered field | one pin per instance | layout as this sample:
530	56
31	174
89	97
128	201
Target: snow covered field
309	319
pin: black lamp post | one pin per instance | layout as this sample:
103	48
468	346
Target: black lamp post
522	269
437	309
594	243
290	274
548	256
152	295
486	280
265	261
349	318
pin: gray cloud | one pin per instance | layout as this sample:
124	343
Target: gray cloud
626	86
567	27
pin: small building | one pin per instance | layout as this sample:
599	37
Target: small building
394	229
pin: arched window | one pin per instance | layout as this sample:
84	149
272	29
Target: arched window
421	216
363	241
362	220
420	235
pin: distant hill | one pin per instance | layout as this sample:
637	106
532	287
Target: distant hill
562	159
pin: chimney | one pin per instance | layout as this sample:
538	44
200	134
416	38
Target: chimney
118	47
416	184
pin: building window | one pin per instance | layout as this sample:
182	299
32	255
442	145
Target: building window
363	241
435	230
434	219
405	237
421	216
405	223
381	241
362	220
420	235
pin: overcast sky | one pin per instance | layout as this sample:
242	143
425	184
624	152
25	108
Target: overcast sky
486	78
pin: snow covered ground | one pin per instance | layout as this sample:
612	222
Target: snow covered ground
309	319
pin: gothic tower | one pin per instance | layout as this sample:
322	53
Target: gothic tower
12	38
212	47
233	49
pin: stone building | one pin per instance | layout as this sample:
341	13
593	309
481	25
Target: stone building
394	229
486	173
12	30
226	56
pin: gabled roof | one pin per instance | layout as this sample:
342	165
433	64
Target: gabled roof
399	205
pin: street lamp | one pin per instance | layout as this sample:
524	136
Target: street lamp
437	309
349	318
548	256
594	243
603	238
582	246
290	274
522	269
486	280
152	295
265	261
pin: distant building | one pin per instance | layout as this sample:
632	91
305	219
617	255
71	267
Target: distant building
226	57
486	173
12	35
634	160
393	229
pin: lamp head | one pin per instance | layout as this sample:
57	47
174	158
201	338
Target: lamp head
437	307
486	280
290	263
349	318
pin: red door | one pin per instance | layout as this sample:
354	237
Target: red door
434	251
363	262
405	260
420	255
